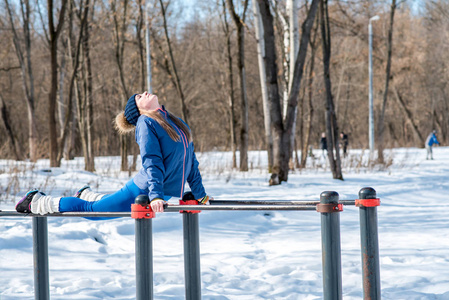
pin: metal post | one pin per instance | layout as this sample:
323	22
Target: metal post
370	246
147	44
144	254
330	243
192	265
370	70
40	254
192	268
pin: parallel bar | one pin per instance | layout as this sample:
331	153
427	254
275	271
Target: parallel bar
176	208
263	202
273	202
370	247
40	254
214	205
68	214
331	249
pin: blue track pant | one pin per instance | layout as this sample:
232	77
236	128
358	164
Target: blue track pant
119	201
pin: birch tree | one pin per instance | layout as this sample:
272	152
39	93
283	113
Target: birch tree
263	82
283	129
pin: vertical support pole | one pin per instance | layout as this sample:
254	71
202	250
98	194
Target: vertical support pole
142	213
369	245
40	254
192	269
330	243
192	265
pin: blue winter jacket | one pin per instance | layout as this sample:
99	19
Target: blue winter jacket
166	164
432	139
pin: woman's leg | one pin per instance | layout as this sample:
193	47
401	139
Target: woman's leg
119	201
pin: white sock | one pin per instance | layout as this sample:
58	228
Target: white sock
88	195
42	204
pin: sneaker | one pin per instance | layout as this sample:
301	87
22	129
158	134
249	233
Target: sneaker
78	194
24	205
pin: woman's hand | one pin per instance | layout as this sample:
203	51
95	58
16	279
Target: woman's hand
157	205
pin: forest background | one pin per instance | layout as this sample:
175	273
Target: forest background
67	67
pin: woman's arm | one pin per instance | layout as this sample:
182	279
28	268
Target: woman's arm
152	162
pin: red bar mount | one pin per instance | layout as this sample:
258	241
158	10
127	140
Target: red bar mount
367	202
189	202
139	211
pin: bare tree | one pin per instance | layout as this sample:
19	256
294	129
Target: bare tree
239	22
230	79
82	15
4	114
177	80
120	24
306	125
263	82
283	130
381	125
24	57
332	136
54	31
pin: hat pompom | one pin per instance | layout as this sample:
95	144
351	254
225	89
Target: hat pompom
122	125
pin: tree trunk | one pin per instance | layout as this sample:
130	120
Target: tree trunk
90	161
408	115
75	63
331	119
282	131
308	128
231	97
239	22
381	125
4	114
263	83
54	34
120	27
26	71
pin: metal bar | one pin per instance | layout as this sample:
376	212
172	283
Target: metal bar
192	266
273	202
331	249
176	208
214	205
370	247
263	202
40	254
68	214
144	255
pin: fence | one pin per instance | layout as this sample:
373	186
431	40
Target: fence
329	207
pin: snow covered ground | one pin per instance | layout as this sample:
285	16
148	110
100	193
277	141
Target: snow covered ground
244	255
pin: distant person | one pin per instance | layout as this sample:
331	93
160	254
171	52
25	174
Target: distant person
323	144
168	162
344	142
430	141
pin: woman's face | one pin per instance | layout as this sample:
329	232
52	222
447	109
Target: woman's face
146	101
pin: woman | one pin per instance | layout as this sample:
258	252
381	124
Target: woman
168	161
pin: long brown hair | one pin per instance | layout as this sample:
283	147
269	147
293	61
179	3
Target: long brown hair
123	126
155	115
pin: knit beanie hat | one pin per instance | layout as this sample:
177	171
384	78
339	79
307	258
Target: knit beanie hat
131	111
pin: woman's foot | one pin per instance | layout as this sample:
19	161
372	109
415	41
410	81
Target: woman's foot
24	205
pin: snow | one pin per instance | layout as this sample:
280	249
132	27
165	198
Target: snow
244	254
